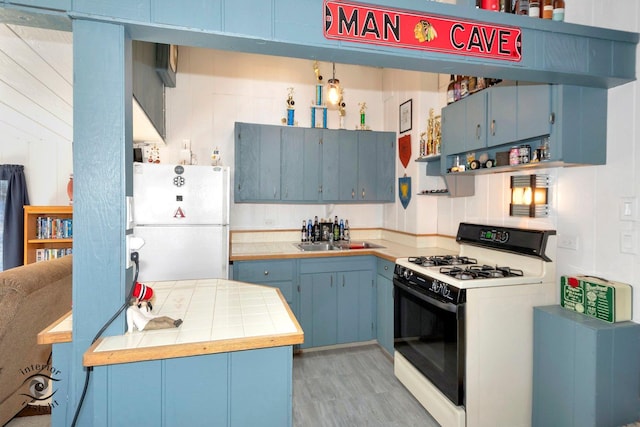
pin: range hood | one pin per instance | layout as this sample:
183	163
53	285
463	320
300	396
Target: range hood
143	129
460	185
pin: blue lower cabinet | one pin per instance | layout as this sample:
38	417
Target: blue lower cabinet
384	299
243	388
275	273
337	300
586	372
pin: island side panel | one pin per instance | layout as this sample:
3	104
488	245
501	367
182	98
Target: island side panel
250	387
262	387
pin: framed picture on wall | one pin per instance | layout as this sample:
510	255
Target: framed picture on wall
405	116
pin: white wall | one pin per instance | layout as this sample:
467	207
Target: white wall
47	166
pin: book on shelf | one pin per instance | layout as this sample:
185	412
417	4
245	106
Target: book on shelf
54	228
44	254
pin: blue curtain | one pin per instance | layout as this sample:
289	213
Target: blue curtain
13	230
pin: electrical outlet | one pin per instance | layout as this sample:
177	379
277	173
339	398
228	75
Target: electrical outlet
127	252
568	241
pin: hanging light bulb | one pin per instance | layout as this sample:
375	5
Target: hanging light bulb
333	91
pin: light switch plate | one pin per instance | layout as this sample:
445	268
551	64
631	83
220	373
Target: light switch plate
628	242
628	208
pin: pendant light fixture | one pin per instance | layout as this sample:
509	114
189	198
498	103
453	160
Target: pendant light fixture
333	88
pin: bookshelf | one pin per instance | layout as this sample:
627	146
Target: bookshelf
56	231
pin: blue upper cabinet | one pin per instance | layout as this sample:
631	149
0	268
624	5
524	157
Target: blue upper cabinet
257	163
572	119
282	164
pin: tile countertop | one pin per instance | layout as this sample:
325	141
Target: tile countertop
257	245
219	316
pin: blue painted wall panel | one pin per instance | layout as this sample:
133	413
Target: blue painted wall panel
49	4
134	392
261	387
135	10
196	389
102	159
61	411
201	14
259	17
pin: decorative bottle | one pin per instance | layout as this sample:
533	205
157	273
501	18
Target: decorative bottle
303	235
450	90
347	232
70	189
558	10
547	9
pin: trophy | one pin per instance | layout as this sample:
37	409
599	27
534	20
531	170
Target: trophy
363	107
290	119
341	109
318	108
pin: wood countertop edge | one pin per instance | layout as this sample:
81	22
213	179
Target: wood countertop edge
48	337
312	254
112	357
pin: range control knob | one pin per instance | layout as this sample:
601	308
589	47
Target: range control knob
407	273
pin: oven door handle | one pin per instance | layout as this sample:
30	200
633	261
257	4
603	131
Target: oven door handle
450	307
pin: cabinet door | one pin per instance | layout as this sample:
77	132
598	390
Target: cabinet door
276	273
503	106
475	121
257	162
318	309
384	305
339	165
534	110
300	164
386	171
367	166
453	130
355	306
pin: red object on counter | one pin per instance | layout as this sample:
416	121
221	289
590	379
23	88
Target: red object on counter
573	282
490	4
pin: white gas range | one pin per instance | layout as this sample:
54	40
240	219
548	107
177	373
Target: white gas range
464	324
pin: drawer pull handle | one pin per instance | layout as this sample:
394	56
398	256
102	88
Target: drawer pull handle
266	272
386	267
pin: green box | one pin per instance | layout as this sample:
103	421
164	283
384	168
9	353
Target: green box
596	297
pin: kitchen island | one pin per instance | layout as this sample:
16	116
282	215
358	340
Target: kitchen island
229	363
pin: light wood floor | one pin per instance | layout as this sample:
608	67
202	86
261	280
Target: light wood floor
352	386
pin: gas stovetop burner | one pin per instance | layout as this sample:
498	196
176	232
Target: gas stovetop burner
439	260
480	272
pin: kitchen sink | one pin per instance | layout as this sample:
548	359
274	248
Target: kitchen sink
317	246
357	245
331	246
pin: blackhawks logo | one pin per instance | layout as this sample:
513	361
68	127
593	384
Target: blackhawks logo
424	31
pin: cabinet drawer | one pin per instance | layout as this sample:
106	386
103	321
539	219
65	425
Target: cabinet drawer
385	268
264	271
285	287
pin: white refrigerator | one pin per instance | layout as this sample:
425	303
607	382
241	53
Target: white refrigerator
182	214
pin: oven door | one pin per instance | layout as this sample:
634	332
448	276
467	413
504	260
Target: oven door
430	334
